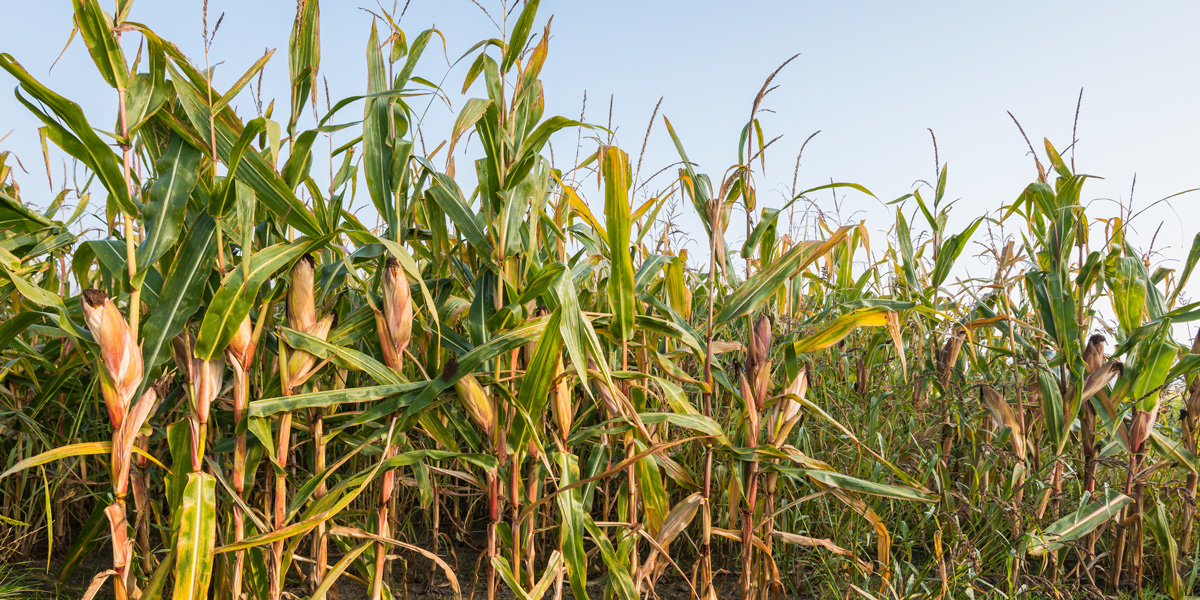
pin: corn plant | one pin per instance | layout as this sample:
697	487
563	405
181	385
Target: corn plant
302	404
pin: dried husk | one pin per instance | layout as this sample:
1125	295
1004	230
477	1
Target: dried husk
204	376
120	355
301	306
949	354
397	307
241	347
1093	354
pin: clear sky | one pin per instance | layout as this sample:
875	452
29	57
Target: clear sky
872	76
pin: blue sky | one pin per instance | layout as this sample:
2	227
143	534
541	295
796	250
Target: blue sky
872	76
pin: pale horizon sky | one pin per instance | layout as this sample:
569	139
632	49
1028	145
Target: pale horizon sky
872	76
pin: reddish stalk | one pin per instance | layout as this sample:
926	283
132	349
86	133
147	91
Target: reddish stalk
705	563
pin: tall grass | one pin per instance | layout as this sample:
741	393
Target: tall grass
509	389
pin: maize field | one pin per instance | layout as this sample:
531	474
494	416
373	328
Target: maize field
514	382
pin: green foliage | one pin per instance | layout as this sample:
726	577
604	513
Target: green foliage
497	368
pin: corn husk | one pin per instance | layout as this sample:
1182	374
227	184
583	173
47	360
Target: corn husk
394	322
204	376
476	402
789	406
603	392
397	305
1140	428
241	347
302	316
949	354
120	355
124	439
762	383
751	404
760	342
1004	416
1100	377
301	364
798	388
1093	354
561	405
301	307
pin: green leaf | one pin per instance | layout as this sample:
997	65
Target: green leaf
696	185
16	216
572	516
904	237
179	444
343	357
378	136
1160	526
520	35
1175	450
304	56
768	219
1128	293
467	117
270	406
83	143
502	342
655	500
618	572
539	378
618	223
260	428
531	147
950	251
96	29
1077	524
763	284
164	211
874	488
414	54
146	93
253	169
504	570
196	538
300	162
15	325
223	198
182	289
449	198
232	303
1155	359
1052	407
1186	364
